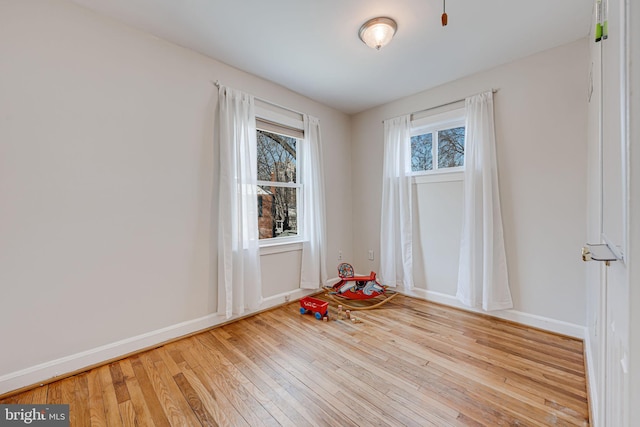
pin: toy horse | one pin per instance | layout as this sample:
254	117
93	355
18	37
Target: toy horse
352	287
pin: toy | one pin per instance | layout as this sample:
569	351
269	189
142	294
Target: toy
318	307
352	287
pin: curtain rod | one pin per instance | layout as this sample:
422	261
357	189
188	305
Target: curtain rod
448	103
444	105
218	84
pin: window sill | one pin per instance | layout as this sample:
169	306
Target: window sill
430	178
280	247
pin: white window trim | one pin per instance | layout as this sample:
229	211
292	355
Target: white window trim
432	124
438	176
284	244
280	184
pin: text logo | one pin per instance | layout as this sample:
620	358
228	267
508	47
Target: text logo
34	415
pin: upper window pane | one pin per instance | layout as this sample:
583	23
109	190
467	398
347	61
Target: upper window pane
276	157
451	147
422	152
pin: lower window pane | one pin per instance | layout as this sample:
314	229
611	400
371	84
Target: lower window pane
277	216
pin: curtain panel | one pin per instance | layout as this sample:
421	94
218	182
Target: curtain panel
396	230
239	287
482	276
313	273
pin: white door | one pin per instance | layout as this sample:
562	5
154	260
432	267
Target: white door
614	226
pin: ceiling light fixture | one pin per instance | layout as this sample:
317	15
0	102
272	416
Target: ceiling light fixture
378	32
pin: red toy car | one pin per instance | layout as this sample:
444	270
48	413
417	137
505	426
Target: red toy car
318	307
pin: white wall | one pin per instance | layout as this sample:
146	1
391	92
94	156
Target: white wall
437	218
541	123
106	184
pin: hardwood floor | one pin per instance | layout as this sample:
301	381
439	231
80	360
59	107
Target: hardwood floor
409	363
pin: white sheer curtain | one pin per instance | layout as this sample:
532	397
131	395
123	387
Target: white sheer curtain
396	264
239	286
314	259
482	276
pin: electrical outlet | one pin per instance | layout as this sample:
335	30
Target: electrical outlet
370	254
339	255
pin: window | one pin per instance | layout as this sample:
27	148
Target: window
278	187
437	143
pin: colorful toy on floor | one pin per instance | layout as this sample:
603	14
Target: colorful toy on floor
318	307
352	287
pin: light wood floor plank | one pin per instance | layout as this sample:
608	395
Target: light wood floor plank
39	395
229	401
169	399
97	414
241	379
67	394
176	394
326	388
54	393
109	398
81	396
118	382
262	380
191	395
127	413
137	397
149	396
297	389
221	380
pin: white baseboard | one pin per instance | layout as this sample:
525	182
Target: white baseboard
59	368
533	320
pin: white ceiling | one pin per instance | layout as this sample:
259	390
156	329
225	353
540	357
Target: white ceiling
312	46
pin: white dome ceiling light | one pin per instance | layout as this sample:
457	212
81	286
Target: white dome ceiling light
378	32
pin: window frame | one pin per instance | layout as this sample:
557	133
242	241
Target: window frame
434	124
291	126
